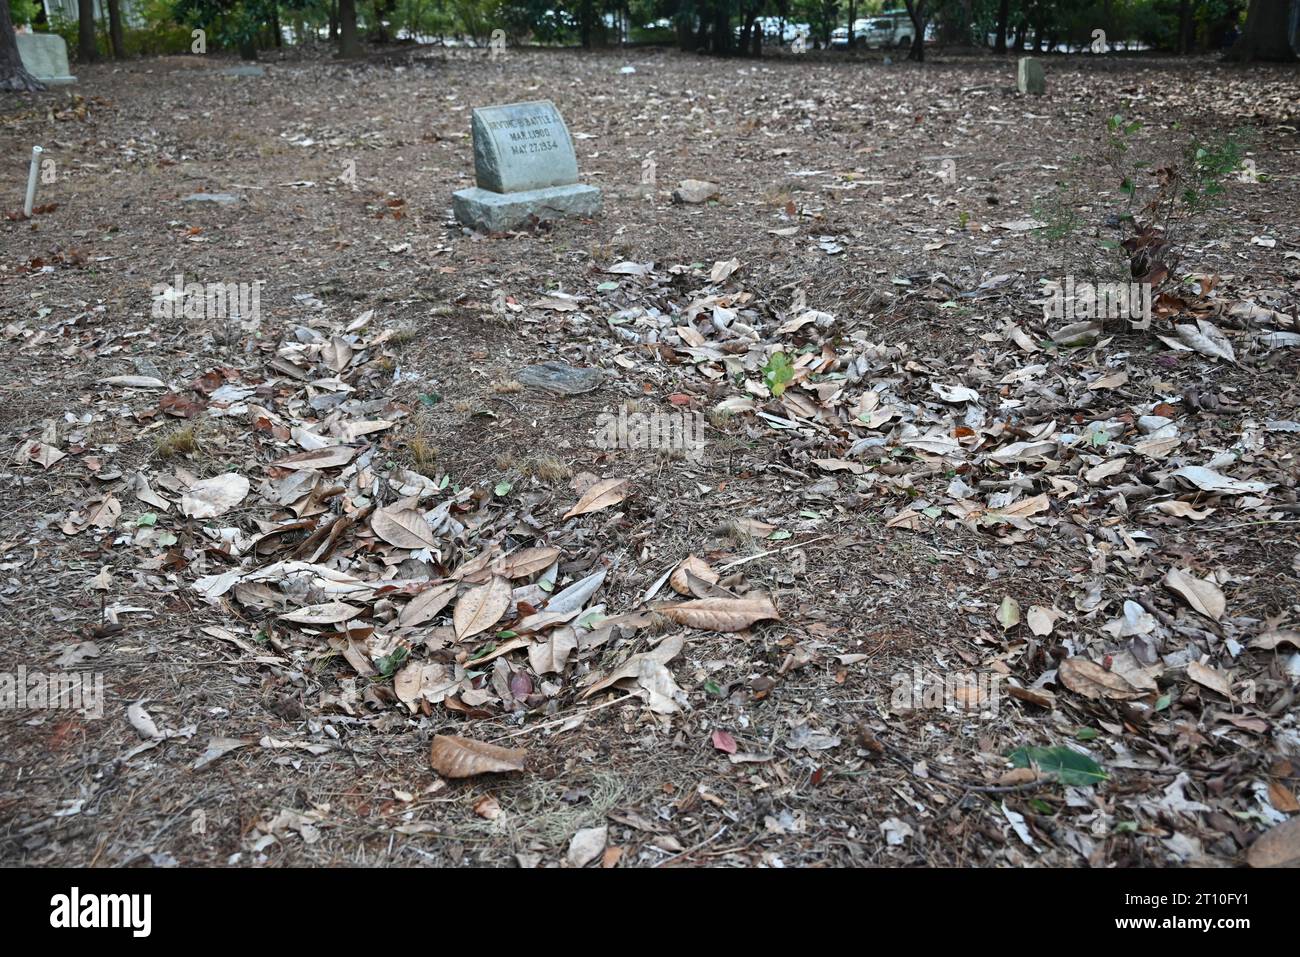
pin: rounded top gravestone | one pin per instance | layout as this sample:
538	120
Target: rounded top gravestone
522	146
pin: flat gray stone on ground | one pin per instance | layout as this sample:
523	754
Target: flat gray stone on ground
522	146
695	191
556	376
1029	76
498	212
222	198
248	69
45	56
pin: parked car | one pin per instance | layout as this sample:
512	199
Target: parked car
893	28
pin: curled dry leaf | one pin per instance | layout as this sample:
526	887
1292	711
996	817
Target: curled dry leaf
1210	678
214	496
456	757
424	606
603	494
402	526
1277	847
480	608
1203	595
327	613
329	457
721	614
1093	681
527	562
697	567
552	652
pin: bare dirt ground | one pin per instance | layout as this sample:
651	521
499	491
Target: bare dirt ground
1108	524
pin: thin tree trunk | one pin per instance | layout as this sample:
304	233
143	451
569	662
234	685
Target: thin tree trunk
115	39
1004	14
14	77
86	50
916	11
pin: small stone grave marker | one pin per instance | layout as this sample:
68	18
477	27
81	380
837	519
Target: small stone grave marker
1029	76
45	56
524	165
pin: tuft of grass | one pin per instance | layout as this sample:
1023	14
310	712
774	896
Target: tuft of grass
659	625
506	386
719	418
183	441
424	455
547	468
733	532
505	461
463	406
403	335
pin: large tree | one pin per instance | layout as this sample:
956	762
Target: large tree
349	42
1268	32
14	78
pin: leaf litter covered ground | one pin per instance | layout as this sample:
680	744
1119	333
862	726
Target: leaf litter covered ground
363	593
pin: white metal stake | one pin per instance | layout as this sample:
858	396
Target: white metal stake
31	180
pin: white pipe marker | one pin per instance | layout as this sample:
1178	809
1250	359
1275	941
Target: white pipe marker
31	180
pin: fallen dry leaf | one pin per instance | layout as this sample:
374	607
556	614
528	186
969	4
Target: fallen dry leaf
603	494
721	614
456	757
480	608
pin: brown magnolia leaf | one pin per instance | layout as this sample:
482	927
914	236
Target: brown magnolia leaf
1203	595
330	457
426	604
552	652
327	613
721	614
456	757
1210	678
1093	681
480	608
1281	797
695	566
402	526
603	494
527	561
1279	846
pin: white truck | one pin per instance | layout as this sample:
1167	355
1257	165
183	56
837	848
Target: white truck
893	28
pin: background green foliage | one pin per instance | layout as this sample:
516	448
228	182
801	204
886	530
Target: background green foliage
163	26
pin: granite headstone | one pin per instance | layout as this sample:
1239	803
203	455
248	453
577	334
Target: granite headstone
45	56
1029	76
524	166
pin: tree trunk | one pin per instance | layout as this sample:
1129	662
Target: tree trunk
1004	14
334	21
1184	25
275	25
916	11
86	51
14	78
349	43
1268	32
115	38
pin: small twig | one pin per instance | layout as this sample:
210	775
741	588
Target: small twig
742	561
691	850
567	717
